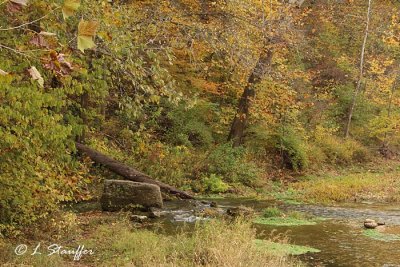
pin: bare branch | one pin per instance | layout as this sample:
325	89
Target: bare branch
31	22
14	50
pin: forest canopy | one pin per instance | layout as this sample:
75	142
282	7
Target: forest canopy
208	96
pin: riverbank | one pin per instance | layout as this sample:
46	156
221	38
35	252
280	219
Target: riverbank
373	182
113	240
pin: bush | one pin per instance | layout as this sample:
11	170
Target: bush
37	171
230	163
214	184
339	151
288	145
191	126
271	212
293	152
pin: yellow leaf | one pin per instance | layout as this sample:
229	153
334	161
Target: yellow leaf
69	7
85	42
86	32
87	28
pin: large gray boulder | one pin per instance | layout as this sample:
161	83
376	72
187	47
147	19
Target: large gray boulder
120	194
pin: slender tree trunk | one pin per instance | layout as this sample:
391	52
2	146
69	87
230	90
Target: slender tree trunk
361	72
385	143
239	123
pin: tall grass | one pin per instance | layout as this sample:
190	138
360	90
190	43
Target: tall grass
214	243
352	187
119	243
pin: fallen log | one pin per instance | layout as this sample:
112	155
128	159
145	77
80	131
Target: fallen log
127	172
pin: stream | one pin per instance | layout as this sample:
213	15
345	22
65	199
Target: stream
340	237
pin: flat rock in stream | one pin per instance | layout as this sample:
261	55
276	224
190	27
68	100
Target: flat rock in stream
121	194
370	224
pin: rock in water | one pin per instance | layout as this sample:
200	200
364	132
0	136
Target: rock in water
213	204
120	194
138	218
155	213
370	224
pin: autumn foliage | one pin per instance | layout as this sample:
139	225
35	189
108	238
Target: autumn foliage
167	86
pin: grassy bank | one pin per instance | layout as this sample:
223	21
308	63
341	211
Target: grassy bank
117	242
377	181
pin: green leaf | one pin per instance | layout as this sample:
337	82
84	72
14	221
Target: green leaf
69	7
86	32
85	42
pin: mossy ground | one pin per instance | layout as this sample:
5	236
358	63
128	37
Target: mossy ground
281	221
274	216
284	248
381	236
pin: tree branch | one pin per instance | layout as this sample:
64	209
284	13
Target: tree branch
28	23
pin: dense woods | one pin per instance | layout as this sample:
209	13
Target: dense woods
221	96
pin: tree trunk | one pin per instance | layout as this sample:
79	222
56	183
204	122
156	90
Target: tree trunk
361	73
384	149
128	172
239	123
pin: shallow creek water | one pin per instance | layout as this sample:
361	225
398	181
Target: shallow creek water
340	237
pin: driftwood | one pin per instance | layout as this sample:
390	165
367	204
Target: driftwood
127	172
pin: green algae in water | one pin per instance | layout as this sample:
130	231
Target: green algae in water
283	221
284	249
376	235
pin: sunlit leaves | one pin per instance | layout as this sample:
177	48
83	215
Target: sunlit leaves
69	7
86	32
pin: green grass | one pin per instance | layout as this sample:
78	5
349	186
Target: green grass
283	221
376	235
271	212
284	249
274	216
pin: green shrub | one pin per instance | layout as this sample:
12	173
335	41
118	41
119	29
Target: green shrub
271	212
293	152
339	151
191	126
214	184
288	145
230	163
37	171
